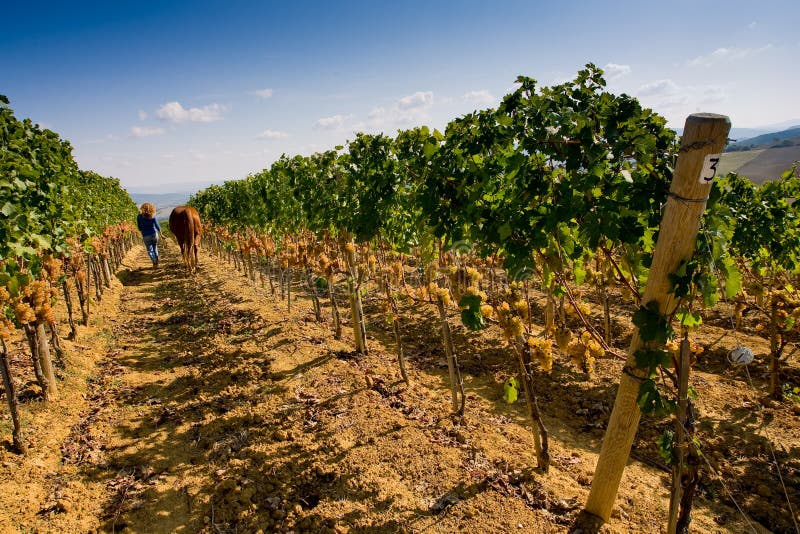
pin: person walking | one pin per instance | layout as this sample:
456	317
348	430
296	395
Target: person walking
150	229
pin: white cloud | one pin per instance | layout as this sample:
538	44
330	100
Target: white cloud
727	55
479	98
407	111
100	141
142	115
263	93
377	112
615	71
420	99
174	112
337	122
676	101
752	25
411	110
712	95
272	134
138	131
658	88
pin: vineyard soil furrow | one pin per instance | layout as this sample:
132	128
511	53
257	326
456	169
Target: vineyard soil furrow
210	408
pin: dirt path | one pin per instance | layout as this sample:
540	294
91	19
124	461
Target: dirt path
214	409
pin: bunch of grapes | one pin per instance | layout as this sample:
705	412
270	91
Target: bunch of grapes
584	351
510	322
288	256
440	293
673	346
267	246
6	327
583	307
542	351
465	281
252	244
24	312
52	267
98	245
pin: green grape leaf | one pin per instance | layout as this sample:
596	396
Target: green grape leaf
13	286
651	359
8	209
733	283
688	319
580	274
652	325
651	401
504	230
666	447
471	315
511	390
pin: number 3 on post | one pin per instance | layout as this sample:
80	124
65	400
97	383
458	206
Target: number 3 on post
709	168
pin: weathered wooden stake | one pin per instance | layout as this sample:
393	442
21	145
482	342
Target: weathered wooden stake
73	331
18	439
704	137
452	364
680	435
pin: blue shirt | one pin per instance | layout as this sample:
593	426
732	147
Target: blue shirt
147	226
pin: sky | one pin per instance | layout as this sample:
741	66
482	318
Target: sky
174	95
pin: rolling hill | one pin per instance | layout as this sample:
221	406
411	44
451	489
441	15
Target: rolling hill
164	202
760	165
789	137
763	157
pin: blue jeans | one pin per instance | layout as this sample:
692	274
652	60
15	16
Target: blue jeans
151	242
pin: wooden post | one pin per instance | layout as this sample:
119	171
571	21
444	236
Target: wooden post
704	137
73	331
680	435
46	362
18	439
452	369
541	440
106	271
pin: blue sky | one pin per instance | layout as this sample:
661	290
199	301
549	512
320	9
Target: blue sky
173	95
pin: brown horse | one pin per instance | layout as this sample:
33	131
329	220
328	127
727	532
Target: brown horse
184	222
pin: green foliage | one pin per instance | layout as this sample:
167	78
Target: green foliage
45	200
553	172
767	223
653	327
666	447
791	393
688	319
652	359
320	284
652	402
471	315
45	197
511	390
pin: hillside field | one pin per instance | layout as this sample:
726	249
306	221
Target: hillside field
760	165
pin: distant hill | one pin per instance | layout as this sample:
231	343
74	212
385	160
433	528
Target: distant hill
164	202
785	138
739	134
760	165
